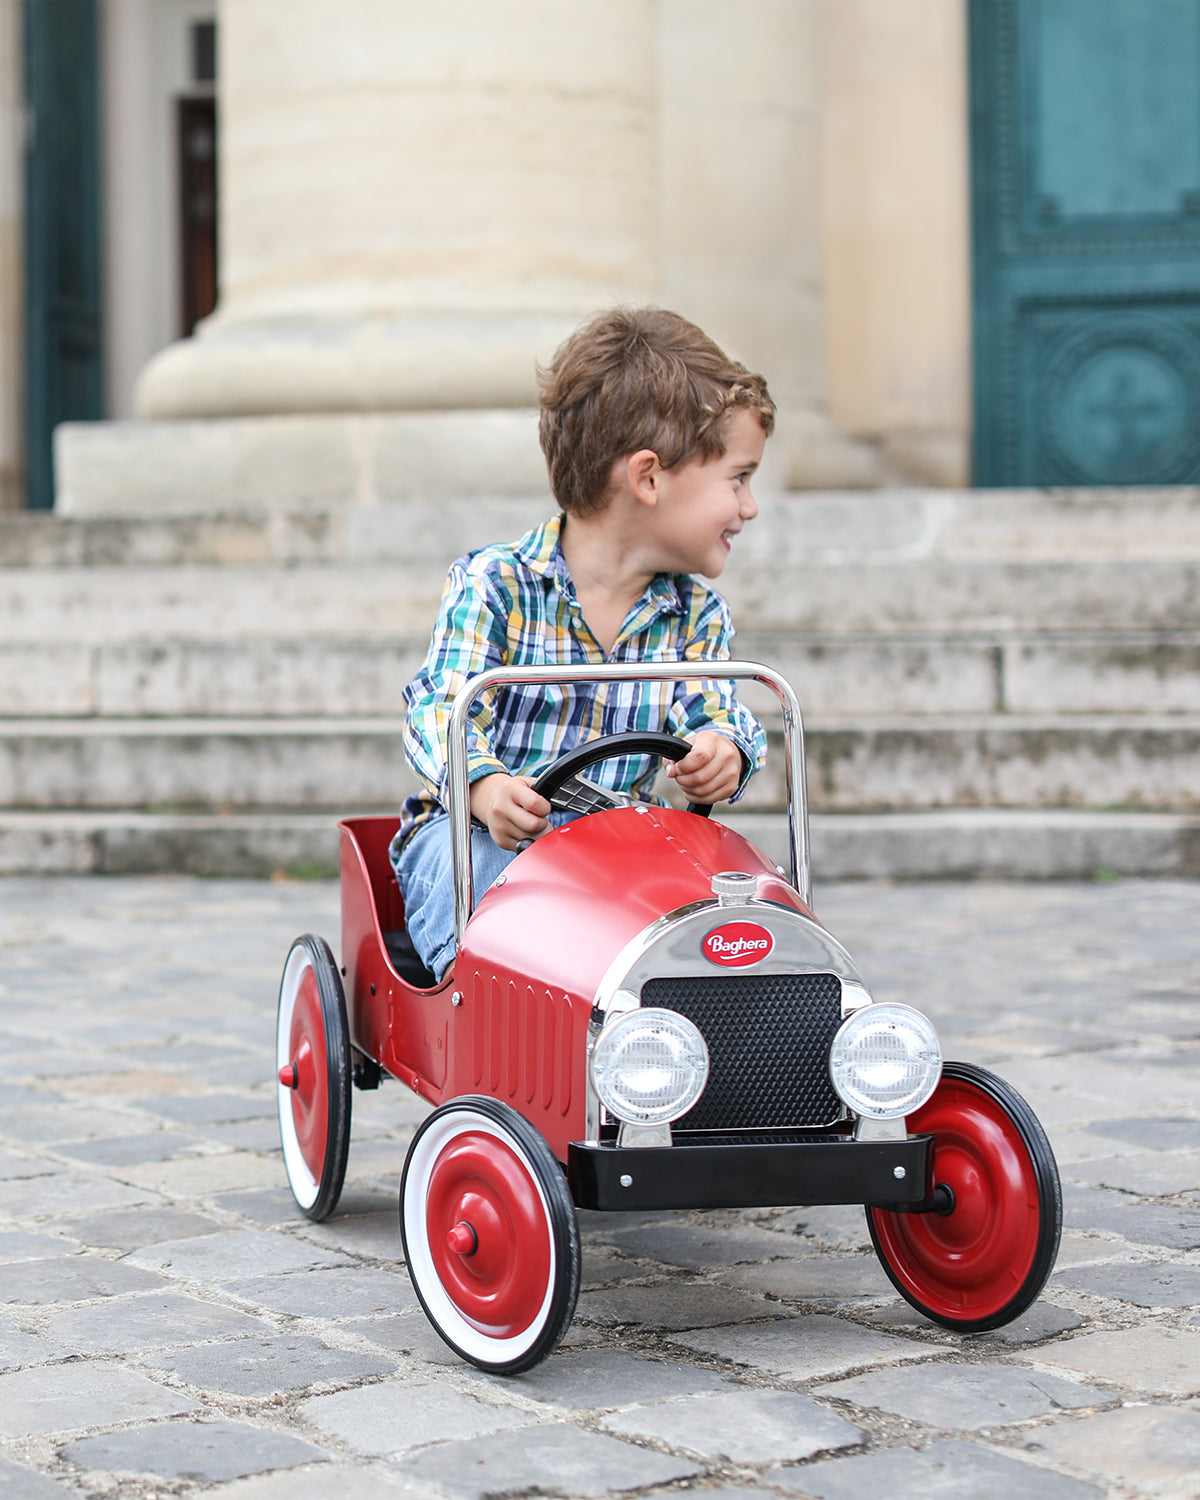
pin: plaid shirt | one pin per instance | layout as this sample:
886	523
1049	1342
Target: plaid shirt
515	605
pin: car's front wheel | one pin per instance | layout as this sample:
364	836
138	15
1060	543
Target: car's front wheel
490	1234
983	1259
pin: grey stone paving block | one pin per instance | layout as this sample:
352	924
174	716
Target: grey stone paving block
19	1348
44	1124
412	1335
132	1228
74	1278
89	1393
18	1482
837	1226
1143	1283
338	1293
1175	1226
202	1452
806	1347
374	1234
208	1109
740	1427
719	1492
601	1378
700	1247
671	1305
1163	1133
15	1164
546	1460
950	1470
1149	1448
129	1150
15	1098
1042	1321
1077	1248
1153	1175
322	1482
21	1244
66	1193
964	1396
254	1135
126	1324
603	1266
1078	1197
273	1206
836	1279
397	1416
1160	1361
259	1366
233	1255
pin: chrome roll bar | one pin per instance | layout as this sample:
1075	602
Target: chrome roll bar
458	790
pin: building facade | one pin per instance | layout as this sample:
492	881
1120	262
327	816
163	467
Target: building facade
960	236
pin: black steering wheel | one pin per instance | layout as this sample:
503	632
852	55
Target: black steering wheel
559	785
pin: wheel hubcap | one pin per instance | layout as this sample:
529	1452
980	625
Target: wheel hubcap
310	1103
970	1261
488	1234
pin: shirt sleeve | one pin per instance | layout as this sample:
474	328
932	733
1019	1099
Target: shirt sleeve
714	705
469	636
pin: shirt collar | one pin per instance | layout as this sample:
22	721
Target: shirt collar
541	552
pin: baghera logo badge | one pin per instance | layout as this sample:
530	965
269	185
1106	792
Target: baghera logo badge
736	945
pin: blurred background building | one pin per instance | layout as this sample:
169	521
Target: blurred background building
286	269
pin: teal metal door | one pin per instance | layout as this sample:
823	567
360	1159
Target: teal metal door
63	378
1085	157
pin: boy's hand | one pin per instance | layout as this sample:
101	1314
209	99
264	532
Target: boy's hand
713	769
510	807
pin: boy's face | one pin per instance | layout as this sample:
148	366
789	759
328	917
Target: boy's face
702	506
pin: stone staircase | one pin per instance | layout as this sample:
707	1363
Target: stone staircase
993	683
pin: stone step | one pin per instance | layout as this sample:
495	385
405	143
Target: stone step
103	603
800	529
960	844
1115	672
854	764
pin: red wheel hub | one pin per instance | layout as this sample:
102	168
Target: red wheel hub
310	1097
972	1262
488	1234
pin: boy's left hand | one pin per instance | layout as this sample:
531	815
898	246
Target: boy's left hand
712	770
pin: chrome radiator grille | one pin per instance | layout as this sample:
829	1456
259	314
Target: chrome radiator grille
768	1042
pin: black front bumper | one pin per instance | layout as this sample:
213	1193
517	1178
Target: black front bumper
751	1171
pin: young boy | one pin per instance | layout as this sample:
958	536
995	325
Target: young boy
651	435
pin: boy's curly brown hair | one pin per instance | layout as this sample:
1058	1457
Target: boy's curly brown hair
636	378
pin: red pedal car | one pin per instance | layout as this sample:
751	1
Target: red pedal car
643	1013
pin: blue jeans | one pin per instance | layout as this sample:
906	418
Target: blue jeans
424	876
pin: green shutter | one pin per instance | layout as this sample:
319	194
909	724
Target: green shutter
62	229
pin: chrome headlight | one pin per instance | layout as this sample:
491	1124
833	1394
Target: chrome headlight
885	1061
649	1067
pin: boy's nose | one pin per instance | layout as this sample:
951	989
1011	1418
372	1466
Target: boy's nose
749	506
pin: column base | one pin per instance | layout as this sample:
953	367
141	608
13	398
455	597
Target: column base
420	362
223	466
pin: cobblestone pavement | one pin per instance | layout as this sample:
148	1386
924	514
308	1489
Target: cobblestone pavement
169	1323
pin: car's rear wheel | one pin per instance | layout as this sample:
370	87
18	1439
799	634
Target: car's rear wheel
312	1059
982	1260
490	1234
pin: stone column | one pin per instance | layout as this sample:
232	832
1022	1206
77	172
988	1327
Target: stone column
11	279
895	228
417	202
740	240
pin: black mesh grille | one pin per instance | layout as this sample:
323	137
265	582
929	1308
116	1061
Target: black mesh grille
768	1044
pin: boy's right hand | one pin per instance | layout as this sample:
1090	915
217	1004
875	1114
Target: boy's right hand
510	808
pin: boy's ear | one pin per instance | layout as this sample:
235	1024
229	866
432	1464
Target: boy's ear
643	469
